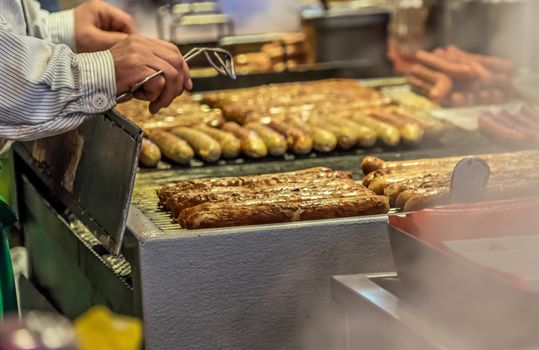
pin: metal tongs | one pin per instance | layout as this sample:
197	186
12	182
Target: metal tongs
220	59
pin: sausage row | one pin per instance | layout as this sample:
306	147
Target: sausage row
519	129
310	194
416	184
452	77
389	126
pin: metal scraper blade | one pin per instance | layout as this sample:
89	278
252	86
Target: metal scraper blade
469	180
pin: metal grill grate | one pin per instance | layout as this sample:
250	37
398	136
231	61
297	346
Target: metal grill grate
453	142
148	181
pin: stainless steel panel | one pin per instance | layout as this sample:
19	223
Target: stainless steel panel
92	171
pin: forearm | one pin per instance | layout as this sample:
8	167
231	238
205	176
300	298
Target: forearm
46	89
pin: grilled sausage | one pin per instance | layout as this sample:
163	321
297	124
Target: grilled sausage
497	128
204	146
251	144
441	84
346	138
442	64
255	212
366	137
298	141
275	142
323	140
457	99
493	63
150	154
171	146
419	86
298	191
387	133
371	163
311	174
230	144
410	132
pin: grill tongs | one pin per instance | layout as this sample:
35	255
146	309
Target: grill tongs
220	59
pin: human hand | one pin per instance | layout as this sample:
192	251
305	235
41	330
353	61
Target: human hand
136	57
99	25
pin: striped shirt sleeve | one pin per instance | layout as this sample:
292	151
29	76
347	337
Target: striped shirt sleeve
58	27
61	28
46	89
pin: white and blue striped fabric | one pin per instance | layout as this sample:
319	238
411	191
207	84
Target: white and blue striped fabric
45	88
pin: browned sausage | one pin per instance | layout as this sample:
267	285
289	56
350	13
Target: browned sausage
204	145
252	145
442	64
419	86
497	128
299	142
441	84
230	144
323	140
171	146
275	142
150	154
255	212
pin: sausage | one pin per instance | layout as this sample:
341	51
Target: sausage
502	162
441	84
481	72
419	86
299	142
497	128
371	163
366	137
171	146
188	120
204	145
426	200
230	144
310	174
346	138
387	133
323	140
275	142
150	154
410	132
251	144
493	63
457	99
255	212
453	69
431	125
300	191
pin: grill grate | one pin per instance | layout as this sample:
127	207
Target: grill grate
148	181
453	142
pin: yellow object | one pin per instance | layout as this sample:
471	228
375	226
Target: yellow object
100	329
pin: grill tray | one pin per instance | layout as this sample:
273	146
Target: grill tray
149	180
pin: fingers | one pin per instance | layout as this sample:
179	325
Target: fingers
137	58
170	52
115	20
187	82
173	84
151	90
